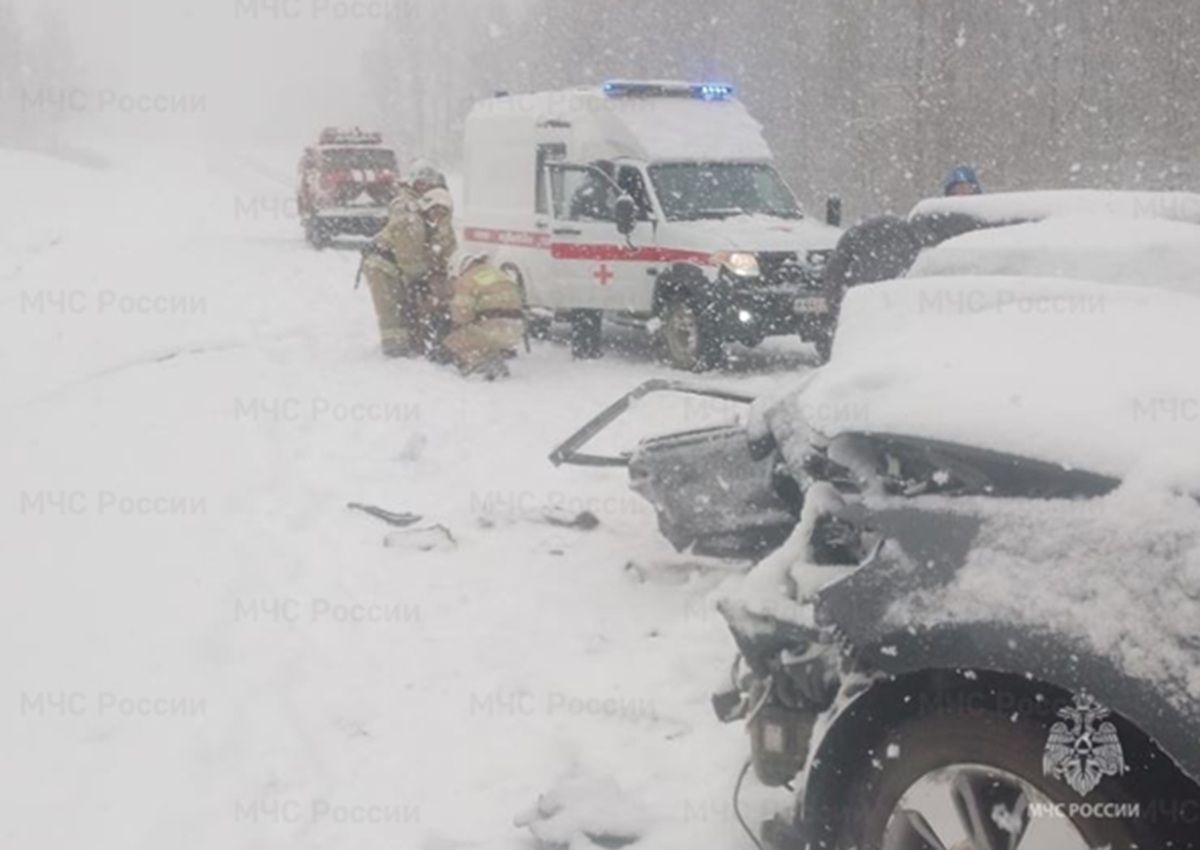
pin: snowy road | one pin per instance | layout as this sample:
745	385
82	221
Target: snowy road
203	648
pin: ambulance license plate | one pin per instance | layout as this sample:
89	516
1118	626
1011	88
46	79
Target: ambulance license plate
809	306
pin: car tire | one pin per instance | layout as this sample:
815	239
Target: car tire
317	233
823	343
586	334
867	808
690	339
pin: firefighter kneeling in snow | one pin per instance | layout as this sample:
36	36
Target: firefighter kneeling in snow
486	318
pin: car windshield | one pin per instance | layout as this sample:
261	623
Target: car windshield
690	191
380	159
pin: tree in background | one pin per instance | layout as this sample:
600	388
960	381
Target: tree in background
38	71
873	99
11	79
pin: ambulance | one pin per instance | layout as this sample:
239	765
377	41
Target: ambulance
654	204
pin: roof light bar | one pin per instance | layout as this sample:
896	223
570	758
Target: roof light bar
699	91
712	91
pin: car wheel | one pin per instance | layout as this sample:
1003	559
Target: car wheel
691	342
954	778
823	342
317	233
586	334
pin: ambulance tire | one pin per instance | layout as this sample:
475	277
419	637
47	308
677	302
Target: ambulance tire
693	342
823	343
586	334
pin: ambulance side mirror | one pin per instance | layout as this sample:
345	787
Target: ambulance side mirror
625	212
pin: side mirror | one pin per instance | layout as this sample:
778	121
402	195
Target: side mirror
625	212
833	211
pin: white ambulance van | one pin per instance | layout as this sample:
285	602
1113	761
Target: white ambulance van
654	203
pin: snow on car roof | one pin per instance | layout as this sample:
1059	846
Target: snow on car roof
1082	374
1028	206
1104	249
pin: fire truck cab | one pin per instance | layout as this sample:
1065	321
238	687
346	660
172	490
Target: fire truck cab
649	203
347	181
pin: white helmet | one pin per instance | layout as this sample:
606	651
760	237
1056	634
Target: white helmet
435	198
422	172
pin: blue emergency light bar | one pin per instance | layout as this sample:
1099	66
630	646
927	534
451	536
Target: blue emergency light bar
713	91
699	91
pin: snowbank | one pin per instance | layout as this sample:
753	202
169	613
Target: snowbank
202	647
1086	375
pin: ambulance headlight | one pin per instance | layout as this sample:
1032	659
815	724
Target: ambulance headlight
739	264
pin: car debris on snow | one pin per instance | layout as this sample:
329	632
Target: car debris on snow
581	812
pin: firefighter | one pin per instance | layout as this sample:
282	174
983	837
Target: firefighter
437	210
398	264
486	318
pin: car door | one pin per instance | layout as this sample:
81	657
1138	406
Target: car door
588	256
634	287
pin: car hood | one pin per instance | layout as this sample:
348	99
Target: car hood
759	233
1080	374
1105	249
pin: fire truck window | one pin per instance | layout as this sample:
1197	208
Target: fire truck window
631	183
378	159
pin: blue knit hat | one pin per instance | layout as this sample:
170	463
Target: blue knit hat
962	174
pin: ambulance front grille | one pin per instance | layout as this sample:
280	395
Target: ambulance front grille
784	268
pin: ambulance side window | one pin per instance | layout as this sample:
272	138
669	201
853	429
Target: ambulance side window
546	154
631	183
591	195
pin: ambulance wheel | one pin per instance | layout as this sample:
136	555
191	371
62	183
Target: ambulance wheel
692	343
586	334
824	345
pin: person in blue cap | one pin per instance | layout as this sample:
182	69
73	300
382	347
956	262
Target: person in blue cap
963	181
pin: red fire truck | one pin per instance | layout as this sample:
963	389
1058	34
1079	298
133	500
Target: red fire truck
346	182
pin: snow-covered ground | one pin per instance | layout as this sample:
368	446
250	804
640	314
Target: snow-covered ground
202	647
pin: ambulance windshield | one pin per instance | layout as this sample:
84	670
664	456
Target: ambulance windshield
699	190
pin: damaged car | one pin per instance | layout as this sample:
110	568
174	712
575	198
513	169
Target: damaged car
972	622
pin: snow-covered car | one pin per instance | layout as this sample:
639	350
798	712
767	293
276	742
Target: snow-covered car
1101	236
980	631
345	184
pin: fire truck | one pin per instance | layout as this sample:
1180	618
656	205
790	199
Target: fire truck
346	182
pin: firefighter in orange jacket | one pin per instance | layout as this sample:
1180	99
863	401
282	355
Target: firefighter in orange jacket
487	319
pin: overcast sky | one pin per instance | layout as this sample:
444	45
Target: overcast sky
269	69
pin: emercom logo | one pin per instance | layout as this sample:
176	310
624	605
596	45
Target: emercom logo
1083	747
